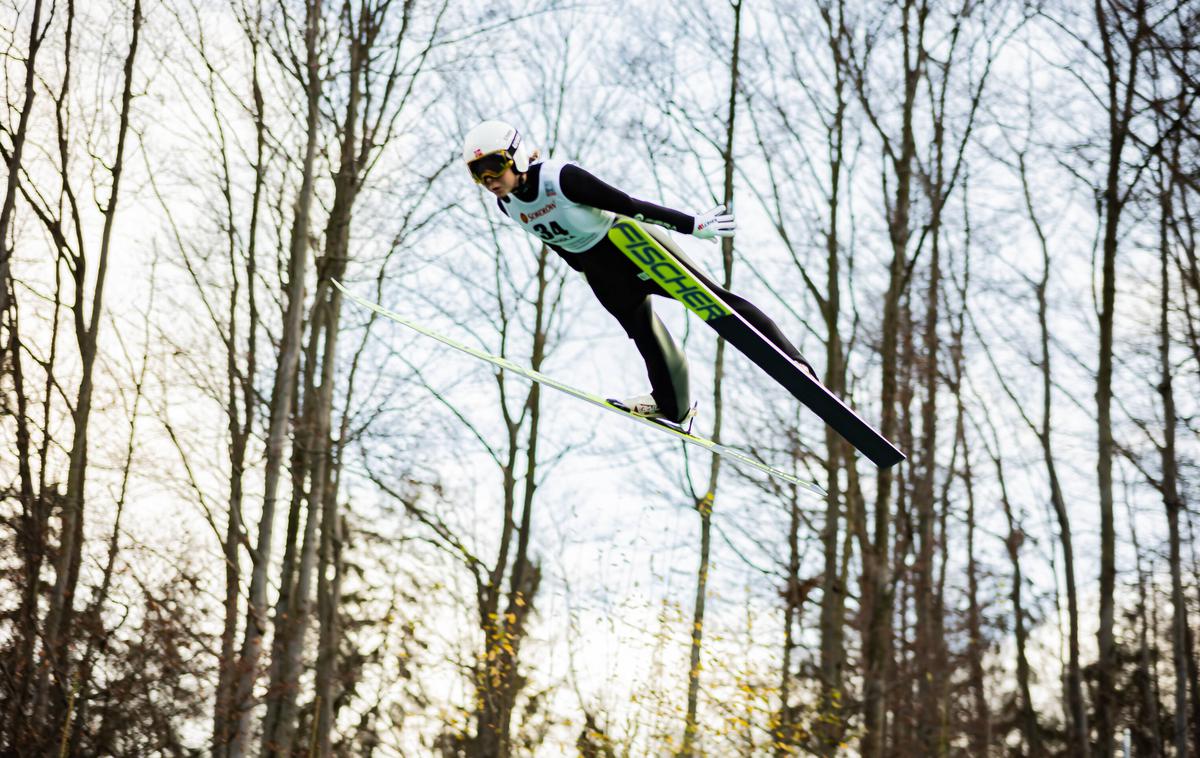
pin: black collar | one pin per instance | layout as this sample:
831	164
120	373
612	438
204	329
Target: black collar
528	190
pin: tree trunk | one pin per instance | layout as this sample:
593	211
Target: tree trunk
322	503
498	682
877	592
691	726
1170	488
1193	678
241	424
324	479
831	723
929	718
1143	734
1013	542
58	630
704	505
1106	662
30	545
329	596
1120	113
980	734
279	728
281	400
787	731
279	674
1076	709
497	679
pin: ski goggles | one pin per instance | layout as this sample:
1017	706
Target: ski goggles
490	166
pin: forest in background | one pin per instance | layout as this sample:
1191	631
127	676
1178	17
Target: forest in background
239	515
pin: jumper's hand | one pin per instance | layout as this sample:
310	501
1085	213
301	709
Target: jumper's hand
715	223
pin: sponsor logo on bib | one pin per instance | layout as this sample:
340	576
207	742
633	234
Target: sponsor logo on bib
539	212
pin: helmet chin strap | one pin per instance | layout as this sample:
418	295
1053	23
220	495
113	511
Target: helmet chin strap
522	181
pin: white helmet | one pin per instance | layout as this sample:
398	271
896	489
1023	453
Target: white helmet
495	138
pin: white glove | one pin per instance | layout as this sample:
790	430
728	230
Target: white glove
715	223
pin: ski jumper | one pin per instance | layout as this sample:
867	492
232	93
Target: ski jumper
571	211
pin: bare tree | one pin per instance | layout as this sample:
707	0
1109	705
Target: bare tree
777	119
505	588
900	153
1171	235
241	375
372	106
704	504
979	722
64	224
31	537
1013	541
228	285
1169	483
309	75
1122	30
705	135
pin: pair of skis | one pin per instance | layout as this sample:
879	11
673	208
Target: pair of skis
676	279
496	360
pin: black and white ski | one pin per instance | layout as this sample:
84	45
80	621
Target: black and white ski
664	268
